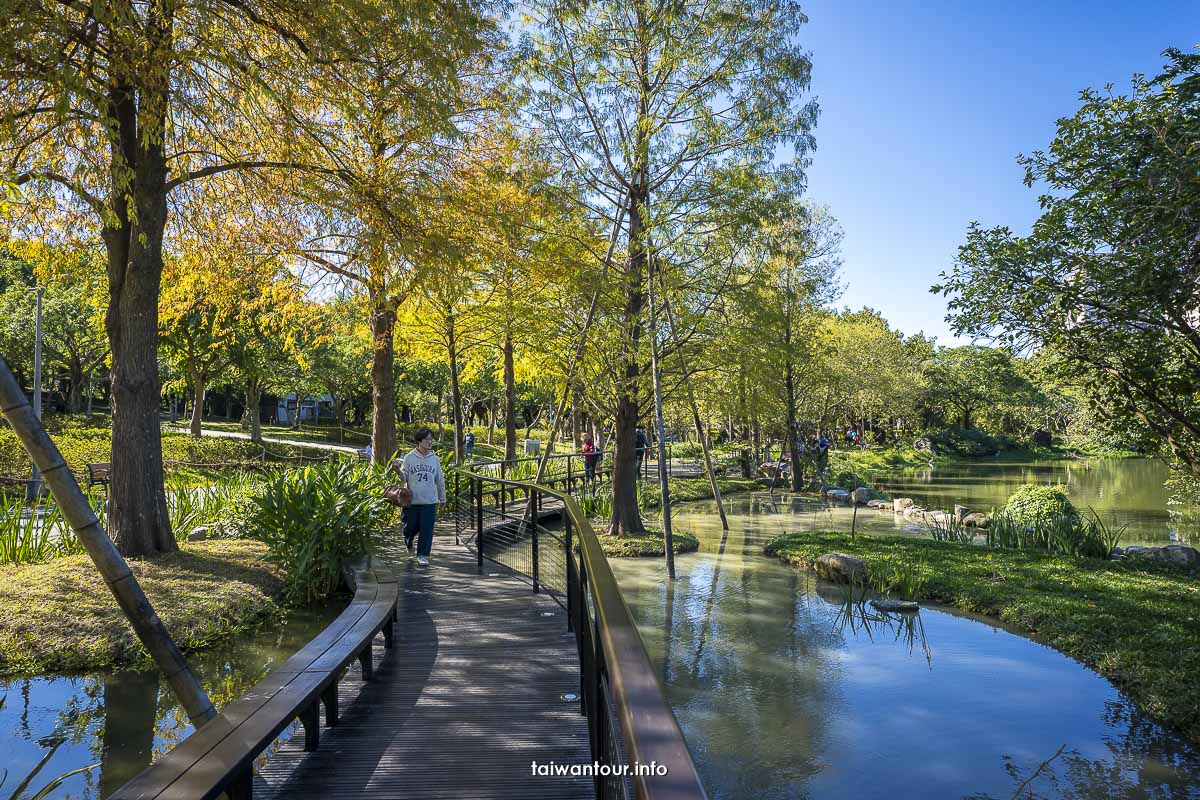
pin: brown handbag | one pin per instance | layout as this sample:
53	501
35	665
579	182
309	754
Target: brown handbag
398	496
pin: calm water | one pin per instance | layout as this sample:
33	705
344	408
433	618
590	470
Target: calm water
782	695
120	721
1124	492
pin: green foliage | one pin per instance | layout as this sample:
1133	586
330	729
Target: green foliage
1106	282
1031	503
313	518
219	506
963	442
596	505
1066	533
28	537
950	529
1135	624
904	577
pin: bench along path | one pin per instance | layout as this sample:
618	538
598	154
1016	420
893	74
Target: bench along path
467	698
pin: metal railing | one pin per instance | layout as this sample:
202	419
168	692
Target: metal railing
571	465
635	739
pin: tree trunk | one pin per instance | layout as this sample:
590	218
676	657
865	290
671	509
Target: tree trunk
383	381
510	400
660	431
626	519
455	392
792	423
199	390
75	393
138	520
252	416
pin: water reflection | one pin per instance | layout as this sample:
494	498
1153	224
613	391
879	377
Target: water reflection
118	722
1124	492
784	693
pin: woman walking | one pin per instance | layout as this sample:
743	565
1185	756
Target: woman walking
422	472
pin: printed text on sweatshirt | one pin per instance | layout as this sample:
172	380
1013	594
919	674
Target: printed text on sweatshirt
423	474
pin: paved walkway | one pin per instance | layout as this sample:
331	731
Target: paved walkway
206	433
468	698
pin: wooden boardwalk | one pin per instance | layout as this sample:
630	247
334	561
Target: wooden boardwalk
469	697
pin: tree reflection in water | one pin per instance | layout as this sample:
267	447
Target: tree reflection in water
785	692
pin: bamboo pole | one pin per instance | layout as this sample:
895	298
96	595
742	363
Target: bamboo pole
113	568
656	373
703	434
580	351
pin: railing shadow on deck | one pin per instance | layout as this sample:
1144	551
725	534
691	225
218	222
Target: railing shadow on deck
635	738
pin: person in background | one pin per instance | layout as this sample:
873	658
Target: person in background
590	457
641	446
469	445
422	473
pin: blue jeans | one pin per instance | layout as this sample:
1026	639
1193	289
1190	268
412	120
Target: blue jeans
418	523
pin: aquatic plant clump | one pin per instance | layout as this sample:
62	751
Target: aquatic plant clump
314	518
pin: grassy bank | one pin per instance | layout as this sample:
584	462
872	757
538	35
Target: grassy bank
686	490
1139	627
59	616
652	544
82	442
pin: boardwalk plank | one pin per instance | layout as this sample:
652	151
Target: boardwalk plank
467	699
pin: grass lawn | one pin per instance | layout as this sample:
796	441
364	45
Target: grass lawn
89	441
686	490
1139	627
60	616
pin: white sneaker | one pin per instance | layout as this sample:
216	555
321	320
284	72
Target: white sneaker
423	561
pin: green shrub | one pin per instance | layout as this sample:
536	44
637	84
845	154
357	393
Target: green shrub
1032	503
963	442
313	518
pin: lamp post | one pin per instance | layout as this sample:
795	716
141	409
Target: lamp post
34	490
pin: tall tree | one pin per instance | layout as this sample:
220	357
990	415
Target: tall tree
390	121
1109	277
108	111
662	108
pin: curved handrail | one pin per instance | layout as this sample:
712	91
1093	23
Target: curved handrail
649	730
219	756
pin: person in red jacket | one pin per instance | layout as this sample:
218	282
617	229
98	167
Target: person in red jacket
590	457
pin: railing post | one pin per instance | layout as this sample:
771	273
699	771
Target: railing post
503	494
533	538
457	509
570	475
571	577
599	718
479	523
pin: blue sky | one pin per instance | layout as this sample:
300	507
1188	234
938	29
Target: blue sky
924	108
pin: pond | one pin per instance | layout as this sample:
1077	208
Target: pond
1126	492
783	694
119	721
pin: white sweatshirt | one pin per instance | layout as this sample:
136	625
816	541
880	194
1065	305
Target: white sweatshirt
423	474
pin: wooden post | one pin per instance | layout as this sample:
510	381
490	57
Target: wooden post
103	552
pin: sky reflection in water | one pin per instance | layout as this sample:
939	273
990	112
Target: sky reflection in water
781	696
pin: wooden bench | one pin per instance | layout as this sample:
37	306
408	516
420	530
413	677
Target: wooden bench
99	475
219	758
